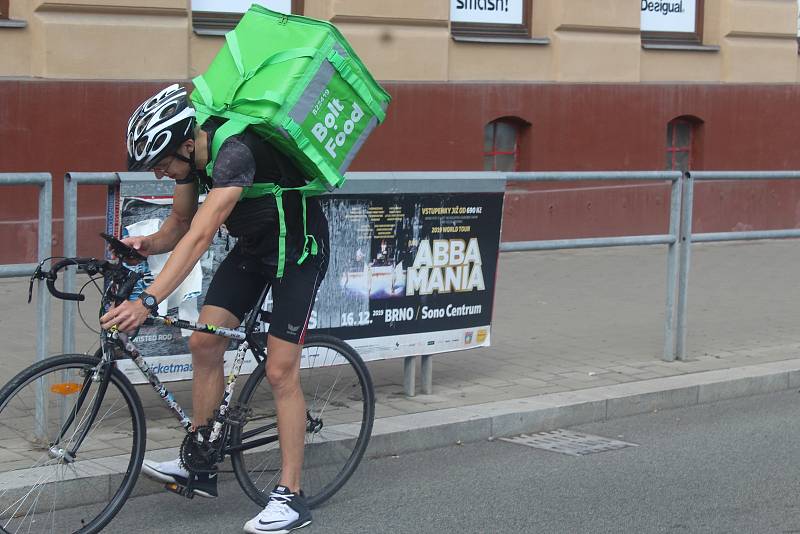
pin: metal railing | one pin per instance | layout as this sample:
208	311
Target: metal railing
45	234
679	238
671	238
44	243
71	182
688	237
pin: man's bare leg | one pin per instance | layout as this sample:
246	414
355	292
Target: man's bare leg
208	350
207	389
283	374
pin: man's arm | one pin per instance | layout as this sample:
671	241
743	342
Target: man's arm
178	223
216	208
194	243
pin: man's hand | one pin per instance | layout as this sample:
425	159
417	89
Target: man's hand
142	244
127	317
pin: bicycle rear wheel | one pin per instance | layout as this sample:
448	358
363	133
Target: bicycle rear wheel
340	410
71	446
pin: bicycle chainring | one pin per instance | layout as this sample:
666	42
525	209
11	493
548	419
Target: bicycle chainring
197	455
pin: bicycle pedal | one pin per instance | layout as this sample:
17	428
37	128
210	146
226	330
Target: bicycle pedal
183	491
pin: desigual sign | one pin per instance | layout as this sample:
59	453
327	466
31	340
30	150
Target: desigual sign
668	16
486	11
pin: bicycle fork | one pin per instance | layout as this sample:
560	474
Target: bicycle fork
100	374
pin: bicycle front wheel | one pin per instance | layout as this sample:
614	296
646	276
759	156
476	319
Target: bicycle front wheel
340	410
71	446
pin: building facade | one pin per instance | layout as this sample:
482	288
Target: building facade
477	84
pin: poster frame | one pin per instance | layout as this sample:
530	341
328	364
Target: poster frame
144	185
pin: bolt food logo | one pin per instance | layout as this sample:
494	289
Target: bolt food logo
447	266
336	123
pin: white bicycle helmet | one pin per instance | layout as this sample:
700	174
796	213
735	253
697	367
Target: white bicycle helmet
158	127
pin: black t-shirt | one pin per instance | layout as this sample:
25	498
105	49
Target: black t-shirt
246	159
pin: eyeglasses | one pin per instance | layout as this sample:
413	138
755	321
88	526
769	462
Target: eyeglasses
160	169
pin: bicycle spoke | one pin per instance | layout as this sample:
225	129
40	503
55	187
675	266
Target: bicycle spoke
336	386
39	483
262	471
21	500
33	505
324	406
89	420
53	507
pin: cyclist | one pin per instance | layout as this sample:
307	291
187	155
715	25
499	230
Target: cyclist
162	136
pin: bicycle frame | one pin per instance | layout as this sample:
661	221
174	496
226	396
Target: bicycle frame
248	342
162	391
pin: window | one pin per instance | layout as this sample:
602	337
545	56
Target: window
501	145
491	18
681	141
672	21
217	17
5	16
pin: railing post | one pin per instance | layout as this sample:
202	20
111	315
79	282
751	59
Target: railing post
45	238
71	182
70	250
672	268
685	263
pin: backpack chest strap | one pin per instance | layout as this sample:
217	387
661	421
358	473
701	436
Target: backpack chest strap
310	247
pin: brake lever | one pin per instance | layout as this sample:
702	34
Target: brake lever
38	274
35	276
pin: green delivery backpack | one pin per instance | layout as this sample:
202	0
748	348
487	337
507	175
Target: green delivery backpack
298	84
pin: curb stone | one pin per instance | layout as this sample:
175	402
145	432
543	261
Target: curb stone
404	434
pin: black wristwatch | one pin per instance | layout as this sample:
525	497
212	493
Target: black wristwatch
149	302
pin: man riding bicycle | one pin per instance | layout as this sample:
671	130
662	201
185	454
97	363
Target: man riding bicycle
162	136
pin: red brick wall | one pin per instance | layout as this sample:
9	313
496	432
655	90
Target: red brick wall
60	126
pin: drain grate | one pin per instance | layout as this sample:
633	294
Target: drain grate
568	442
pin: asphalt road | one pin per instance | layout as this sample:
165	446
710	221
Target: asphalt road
730	467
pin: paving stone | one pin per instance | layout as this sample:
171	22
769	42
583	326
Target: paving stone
549	339
10	456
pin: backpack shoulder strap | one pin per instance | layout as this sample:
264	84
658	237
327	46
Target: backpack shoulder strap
231	127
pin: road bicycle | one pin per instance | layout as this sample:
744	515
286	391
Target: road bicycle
72	427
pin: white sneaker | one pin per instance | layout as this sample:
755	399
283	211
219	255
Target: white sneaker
173	472
284	512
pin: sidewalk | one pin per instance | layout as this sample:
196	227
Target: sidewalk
577	336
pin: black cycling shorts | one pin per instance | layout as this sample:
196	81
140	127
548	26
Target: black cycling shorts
238	283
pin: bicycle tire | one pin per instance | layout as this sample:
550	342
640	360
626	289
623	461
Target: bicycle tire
335	442
61	396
